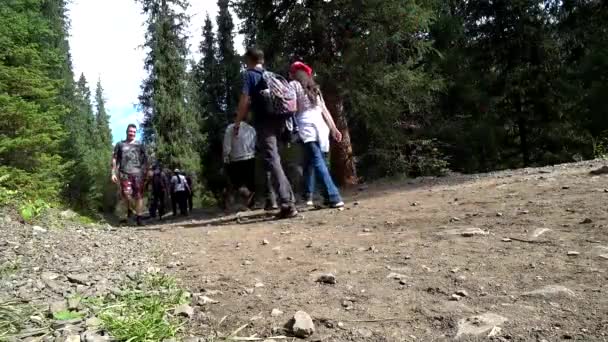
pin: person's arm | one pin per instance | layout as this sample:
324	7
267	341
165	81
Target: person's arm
242	111
227	144
144	158
114	170
329	120
244	101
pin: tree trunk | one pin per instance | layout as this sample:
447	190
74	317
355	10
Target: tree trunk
341	154
523	133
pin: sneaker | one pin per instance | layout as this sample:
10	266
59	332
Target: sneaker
336	205
287	212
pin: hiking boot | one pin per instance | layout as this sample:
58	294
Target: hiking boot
138	221
287	212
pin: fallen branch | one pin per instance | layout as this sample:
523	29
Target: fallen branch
540	242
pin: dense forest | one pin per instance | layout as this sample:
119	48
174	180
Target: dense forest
416	87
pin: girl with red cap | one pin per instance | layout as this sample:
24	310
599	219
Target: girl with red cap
315	125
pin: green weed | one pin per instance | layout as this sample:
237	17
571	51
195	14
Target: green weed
67	315
141	313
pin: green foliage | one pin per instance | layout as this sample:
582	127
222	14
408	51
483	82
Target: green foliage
170	127
9	267
7	196
67	315
142	311
16	316
31	106
32	210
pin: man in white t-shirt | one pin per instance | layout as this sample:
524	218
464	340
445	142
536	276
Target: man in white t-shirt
239	158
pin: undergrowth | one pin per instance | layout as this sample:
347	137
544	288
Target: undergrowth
142	311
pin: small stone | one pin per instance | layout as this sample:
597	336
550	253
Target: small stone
462	293
327	279
91	336
407	257
58	306
356	203
289	258
74	302
367	230
524	212
204	300
551	291
455	270
258	285
606	191
499	214
72	338
402	282
38	230
184	311
78	279
276	313
455	219
68	214
246	263
265	242
340	325
587	221
455	297
506	240
573	253
495	332
565	187
415	204
303	327
93	322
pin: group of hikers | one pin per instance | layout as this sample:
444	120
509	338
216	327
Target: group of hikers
130	171
281	109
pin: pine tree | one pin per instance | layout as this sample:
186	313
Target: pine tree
31	108
228	62
212	119
102	119
170	126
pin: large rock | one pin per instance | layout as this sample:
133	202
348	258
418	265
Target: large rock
479	325
303	327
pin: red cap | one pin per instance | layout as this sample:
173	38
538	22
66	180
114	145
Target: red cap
297	66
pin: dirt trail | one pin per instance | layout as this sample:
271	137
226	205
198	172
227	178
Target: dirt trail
519	256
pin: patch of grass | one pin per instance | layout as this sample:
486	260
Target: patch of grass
67	315
10	267
16	316
141	313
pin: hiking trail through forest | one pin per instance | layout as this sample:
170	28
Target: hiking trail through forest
516	255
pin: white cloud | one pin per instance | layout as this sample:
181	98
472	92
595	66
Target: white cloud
106	38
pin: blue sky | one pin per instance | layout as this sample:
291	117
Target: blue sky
105	40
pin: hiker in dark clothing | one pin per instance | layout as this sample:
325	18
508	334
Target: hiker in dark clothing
159	188
269	128
180	189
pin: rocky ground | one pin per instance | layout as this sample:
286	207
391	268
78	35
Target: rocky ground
508	256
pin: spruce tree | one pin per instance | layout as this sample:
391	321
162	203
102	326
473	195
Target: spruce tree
31	108
170	125
228	61
211	94
102	119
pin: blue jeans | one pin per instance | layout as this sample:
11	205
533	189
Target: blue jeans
314	165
